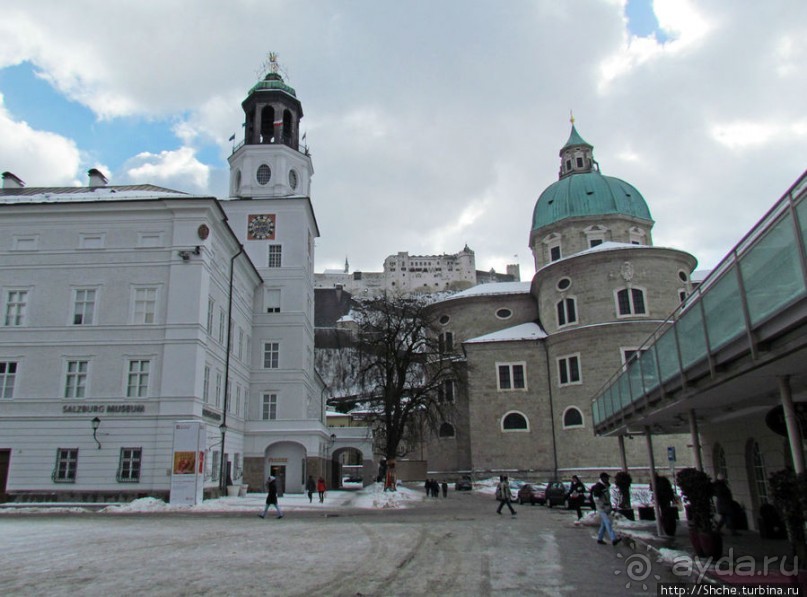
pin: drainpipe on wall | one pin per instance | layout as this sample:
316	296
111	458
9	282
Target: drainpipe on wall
223	426
551	416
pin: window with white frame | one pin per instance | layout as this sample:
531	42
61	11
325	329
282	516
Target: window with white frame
240	350
512	376
630	301
595	235
219	381
275	256
206	385
145	304
271	355
137	379
129	465
637	236
16	304
237	400
567	311
75	383
572	418
66	465
84	306
272	300
222	324
211	306
269	407
216	462
446	341
569	370
228	398
8	374
445	391
515	421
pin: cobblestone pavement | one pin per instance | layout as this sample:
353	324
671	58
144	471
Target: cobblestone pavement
449	546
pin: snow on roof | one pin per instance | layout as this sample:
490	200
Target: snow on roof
525	331
492	289
699	275
86	194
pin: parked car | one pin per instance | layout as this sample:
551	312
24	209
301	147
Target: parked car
531	494
464	484
556	493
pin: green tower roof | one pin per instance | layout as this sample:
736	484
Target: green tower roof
272	81
574	140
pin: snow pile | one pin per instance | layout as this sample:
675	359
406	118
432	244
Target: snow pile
374	496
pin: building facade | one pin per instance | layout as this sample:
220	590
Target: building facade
129	308
536	352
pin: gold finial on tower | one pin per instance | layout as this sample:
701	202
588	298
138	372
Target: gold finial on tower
269	65
273	64
571	117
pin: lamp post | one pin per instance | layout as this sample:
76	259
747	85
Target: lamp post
222	462
96	423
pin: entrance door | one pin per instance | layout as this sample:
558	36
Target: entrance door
279	471
5	459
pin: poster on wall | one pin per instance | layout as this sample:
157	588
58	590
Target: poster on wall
187	463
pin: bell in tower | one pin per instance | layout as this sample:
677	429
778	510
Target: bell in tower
269	163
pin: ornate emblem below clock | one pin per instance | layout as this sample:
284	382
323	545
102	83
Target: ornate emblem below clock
203	231
261	227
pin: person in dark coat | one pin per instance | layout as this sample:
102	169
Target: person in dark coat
445	489
271	497
576	495
310	488
601	492
723	504
504	495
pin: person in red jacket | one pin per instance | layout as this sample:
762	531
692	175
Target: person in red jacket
321	489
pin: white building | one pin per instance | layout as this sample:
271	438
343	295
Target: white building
129	308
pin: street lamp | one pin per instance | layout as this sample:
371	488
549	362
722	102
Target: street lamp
96	423
222	462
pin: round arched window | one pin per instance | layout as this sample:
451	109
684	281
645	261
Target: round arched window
572	417
504	313
444	319
564	284
264	174
446	430
682	275
514	422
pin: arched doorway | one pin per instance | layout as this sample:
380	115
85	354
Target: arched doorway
347	467
286	461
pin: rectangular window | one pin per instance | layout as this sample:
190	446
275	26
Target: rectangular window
129	465
630	301
445	391
84	306
273	301
206	385
75	385
567	312
145	305
269	410
446	342
569	370
16	302
512	376
8	372
240	351
216	461
271	355
137	383
237	400
66	465
219	380
211	305
594	242
275	256
554	253
222	325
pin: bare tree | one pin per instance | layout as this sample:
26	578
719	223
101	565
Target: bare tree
402	367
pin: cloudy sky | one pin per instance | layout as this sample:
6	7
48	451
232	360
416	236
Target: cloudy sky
431	124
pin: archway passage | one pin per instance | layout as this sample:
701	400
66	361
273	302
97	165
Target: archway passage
347	468
286	461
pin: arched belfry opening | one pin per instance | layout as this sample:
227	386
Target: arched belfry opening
267	125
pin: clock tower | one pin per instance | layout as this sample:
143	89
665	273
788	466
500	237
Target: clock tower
269	162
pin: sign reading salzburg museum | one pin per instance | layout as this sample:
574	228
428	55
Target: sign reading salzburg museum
112	409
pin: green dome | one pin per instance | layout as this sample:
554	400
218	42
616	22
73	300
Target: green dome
272	81
588	194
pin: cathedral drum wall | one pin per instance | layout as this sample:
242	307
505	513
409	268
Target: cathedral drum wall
475	316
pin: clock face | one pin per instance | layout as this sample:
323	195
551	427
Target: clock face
293	179
261	227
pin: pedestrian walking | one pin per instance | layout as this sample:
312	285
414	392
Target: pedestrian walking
601	492
310	488
504	495
445	489
321	489
271	497
576	495
723	504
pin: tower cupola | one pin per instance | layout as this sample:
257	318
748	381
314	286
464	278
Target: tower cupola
576	156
